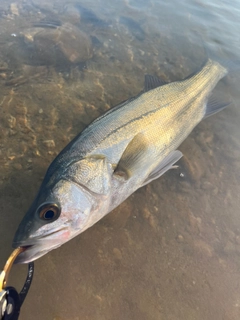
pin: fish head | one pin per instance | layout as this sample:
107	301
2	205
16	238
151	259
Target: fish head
57	215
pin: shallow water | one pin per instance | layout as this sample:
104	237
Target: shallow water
172	250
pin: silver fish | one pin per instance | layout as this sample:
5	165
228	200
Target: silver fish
121	151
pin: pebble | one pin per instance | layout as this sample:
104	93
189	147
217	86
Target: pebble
14	9
21	110
3	75
92	111
238	239
180	238
204	248
206	185
72	14
17	166
229	248
44	5
11	121
146	213
117	253
49	143
195	223
195	168
12	132
150	218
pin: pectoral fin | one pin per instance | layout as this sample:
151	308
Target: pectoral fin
133	157
164	166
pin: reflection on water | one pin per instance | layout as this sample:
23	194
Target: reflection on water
171	251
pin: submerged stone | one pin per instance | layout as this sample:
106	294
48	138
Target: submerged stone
65	43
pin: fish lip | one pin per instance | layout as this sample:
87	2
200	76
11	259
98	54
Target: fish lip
35	246
25	258
33	252
32	241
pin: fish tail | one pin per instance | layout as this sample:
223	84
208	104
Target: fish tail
231	64
215	102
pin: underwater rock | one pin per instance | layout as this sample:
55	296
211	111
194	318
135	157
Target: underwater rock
65	43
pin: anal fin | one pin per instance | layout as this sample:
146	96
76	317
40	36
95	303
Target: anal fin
215	105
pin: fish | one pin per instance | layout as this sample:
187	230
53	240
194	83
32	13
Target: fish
47	24
126	148
88	16
134	27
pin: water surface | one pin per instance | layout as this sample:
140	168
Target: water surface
172	250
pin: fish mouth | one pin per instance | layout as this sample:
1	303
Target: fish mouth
35	248
30	254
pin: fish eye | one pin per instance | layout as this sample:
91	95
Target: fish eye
49	212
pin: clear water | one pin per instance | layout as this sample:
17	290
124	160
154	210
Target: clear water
172	250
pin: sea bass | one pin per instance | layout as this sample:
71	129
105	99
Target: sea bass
121	151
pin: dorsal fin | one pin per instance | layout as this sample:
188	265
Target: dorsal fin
152	82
